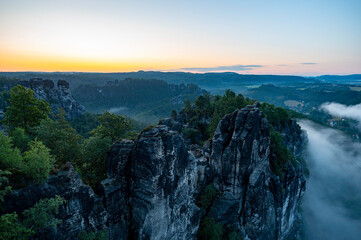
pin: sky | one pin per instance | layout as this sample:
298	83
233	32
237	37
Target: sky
308	37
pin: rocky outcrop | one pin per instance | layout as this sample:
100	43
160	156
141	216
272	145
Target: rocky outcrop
58	97
150	176
252	201
152	183
83	210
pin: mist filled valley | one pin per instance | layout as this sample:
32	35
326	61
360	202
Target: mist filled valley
332	206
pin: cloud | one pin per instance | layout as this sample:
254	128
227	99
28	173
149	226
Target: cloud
308	63
282	65
340	110
223	68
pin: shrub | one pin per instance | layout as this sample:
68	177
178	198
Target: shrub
206	197
11	228
38	162
209	230
42	214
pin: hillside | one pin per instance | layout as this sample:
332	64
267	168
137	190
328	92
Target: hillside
141	99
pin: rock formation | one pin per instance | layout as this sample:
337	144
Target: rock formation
252	200
58	97
153	182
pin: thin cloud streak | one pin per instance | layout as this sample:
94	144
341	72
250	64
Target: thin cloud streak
308	63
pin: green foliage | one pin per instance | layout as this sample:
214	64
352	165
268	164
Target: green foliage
60	137
92	165
276	116
4	186
206	197
20	139
100	235
203	118
174	114
279	154
114	126
233	236
85	123
25	110
42	214
37	162
11	228
10	158
209	230
214	122
191	134
145	100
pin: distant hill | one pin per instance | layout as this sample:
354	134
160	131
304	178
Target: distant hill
145	100
204	80
354	78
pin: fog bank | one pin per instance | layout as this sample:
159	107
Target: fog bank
340	110
332	202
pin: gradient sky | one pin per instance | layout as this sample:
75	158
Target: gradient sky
308	37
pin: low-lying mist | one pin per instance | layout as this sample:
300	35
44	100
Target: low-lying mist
332	202
341	110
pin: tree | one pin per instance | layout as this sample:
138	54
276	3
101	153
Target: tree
10	158
38	162
4	186
42	214
60	137
100	235
94	152
11	228
25	110
209	230
174	114
114	126
20	139
214	123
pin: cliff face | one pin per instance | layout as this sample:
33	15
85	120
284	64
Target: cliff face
252	200
58	97
152	184
155	178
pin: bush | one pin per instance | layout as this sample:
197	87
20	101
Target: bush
11	228
94	152
209	230
42	214
60	137
100	235
10	158
20	139
206	197
38	162
279	154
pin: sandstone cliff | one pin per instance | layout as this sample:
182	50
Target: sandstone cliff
153	182
58	97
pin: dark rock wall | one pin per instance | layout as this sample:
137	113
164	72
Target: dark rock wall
157	197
